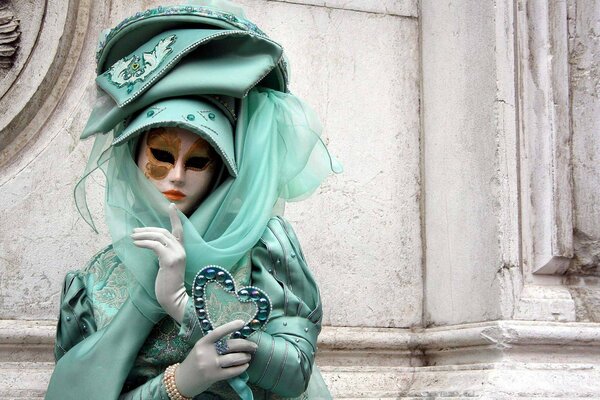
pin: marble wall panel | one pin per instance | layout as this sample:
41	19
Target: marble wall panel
361	232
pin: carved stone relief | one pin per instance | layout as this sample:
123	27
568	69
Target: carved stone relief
49	44
546	178
584	85
9	35
560	119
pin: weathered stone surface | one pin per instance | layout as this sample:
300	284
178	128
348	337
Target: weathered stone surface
495	360
41	233
406	8
361	232
469	142
584	47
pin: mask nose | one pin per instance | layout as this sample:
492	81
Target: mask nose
177	174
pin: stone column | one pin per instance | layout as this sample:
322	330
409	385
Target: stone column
470	161
509	165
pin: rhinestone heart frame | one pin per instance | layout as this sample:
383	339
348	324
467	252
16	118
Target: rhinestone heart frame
245	294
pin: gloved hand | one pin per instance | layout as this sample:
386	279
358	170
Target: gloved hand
168	246
204	366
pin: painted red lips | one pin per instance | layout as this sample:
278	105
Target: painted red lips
174	195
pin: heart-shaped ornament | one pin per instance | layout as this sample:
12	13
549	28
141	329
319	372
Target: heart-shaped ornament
218	301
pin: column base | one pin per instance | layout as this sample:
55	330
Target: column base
491	360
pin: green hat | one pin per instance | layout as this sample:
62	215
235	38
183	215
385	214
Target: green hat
177	51
196	115
134	31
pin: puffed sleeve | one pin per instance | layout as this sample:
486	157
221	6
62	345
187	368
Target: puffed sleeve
76	319
284	359
82	322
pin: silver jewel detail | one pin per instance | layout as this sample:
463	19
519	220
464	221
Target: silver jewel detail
221	347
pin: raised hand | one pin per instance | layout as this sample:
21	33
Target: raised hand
204	365
168	247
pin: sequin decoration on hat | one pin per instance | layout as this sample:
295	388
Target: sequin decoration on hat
129	71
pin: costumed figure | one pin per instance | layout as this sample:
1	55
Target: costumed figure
204	292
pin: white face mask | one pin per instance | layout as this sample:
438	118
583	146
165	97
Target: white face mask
180	164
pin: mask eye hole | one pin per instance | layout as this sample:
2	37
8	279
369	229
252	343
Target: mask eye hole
197	163
163	156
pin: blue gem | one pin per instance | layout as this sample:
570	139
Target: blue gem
254	294
237	335
201	279
199	302
229	284
190	117
221	276
246	331
150	113
262	315
201	313
211	273
205	324
263	304
244	295
211	116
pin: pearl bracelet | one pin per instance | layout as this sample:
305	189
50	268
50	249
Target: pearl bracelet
170	386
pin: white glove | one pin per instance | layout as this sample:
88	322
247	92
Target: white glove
204	366
168	246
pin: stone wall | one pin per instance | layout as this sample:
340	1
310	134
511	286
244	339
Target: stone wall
457	255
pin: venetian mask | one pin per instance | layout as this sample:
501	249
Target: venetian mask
181	165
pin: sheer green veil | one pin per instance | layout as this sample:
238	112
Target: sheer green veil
280	155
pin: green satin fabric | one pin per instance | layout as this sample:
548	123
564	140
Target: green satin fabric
282	365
